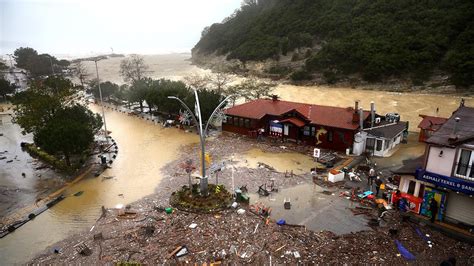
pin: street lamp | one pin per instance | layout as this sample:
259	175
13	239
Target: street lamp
101	102
202	134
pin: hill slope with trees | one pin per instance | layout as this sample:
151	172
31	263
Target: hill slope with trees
373	39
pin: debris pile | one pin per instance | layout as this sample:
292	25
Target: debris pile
153	236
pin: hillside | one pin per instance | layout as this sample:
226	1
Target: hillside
334	39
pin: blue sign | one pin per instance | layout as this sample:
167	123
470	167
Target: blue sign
452	183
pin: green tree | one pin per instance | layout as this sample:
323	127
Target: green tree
69	132
108	89
139	91
24	56
6	88
37	105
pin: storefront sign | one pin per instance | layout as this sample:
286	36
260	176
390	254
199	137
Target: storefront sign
452	183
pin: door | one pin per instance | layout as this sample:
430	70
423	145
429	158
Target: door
286	129
460	208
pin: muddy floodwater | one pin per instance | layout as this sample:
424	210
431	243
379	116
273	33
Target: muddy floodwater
408	105
143	149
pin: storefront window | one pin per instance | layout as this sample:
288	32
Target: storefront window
330	136
241	122
228	120
236	121
313	131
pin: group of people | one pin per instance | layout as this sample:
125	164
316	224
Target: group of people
398	201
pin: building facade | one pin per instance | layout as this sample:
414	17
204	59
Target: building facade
448	167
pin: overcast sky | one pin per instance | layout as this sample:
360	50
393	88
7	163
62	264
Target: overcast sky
79	27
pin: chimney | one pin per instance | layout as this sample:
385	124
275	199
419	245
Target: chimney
355	115
361	118
372	113
274	97
454	135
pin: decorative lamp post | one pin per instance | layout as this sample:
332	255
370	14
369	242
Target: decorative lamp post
202	134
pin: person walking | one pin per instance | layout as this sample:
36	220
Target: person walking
372	175
433	209
378	183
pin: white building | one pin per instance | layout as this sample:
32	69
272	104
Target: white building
448	167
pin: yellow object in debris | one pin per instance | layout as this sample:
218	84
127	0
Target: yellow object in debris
382	186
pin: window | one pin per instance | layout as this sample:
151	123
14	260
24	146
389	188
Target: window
241	122
306	131
378	147
228	120
411	187
236	121
464	165
247	123
387	144
313	131
370	143
330	136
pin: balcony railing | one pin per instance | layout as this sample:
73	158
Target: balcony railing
464	171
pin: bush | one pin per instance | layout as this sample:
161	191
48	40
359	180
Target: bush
300	75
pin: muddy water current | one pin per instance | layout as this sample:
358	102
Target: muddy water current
143	149
408	105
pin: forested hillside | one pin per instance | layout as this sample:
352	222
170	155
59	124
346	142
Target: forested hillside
376	39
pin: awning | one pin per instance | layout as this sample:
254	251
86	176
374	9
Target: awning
295	121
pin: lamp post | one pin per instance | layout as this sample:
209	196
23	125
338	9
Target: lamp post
101	102
202	134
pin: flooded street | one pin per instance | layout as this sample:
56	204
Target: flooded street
143	149
314	209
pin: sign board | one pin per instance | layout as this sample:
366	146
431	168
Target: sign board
455	184
216	167
316	153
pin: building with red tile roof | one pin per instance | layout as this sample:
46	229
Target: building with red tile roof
322	126
429	125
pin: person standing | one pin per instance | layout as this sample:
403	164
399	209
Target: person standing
433	209
378	183
371	179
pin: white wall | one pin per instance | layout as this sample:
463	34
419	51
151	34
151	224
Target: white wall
440	165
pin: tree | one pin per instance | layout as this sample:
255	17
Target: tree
37	105
139	90
133	69
80	72
108	89
51	110
251	89
197	81
220	81
24	56
69	132
6	88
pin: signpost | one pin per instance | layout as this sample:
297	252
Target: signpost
316	153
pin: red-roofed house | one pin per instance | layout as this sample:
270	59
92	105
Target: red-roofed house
321	126
429	125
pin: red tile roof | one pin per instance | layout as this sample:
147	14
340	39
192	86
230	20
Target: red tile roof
337	117
295	121
431	122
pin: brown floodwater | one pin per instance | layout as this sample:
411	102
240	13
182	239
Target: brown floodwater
408	105
143	149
